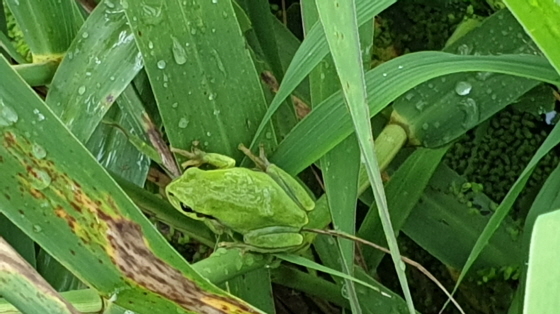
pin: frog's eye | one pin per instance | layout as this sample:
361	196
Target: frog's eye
189	210
186	208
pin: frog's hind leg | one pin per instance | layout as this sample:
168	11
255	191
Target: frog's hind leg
272	242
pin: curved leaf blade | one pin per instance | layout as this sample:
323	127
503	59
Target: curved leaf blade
328	124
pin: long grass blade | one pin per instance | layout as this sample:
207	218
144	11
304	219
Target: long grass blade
341	30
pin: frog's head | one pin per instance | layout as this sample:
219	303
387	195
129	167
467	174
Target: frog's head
179	193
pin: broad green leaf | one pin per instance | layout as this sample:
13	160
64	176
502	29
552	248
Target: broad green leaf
194	58
100	63
25	288
540	20
543	277
328	124
341	31
313	49
48	26
66	202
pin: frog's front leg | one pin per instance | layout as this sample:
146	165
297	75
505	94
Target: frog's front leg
198	158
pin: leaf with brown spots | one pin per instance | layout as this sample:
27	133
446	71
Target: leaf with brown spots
55	191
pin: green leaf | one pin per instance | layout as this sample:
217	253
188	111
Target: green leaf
48	26
442	109
540	20
65	201
25	288
328	124
192	71
100	63
543	274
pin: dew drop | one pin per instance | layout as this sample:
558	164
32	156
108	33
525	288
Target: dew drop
183	123
219	62
482	76
179	53
208	134
8	115
464	49
81	90
268	135
174	105
40	116
161	64
425	126
150	45
420	105
85	35
38	151
470	109
550	117
151	15
37	228
40	179
463	88
344	291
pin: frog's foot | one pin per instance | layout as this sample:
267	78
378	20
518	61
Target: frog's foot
199	157
260	161
196	157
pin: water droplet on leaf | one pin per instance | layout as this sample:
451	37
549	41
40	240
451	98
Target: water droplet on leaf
463	88
8	115
81	90
40	179
38	151
179	53
183	123
472	114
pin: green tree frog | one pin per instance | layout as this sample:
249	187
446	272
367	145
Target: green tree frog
267	206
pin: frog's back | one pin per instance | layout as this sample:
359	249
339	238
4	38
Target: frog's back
239	195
